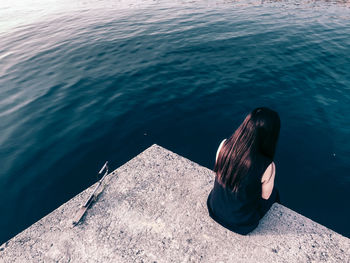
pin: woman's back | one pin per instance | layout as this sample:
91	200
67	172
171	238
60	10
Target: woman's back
239	211
242	177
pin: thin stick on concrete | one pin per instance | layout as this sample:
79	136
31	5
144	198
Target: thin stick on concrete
91	198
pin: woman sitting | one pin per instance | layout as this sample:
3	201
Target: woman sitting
244	183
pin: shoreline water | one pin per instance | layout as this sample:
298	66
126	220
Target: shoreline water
95	82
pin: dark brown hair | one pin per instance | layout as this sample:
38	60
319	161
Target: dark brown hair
257	136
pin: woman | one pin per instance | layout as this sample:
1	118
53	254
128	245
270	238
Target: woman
244	183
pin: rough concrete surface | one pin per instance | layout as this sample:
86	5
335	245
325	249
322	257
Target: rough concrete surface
153	209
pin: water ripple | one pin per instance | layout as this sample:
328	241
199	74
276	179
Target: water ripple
84	81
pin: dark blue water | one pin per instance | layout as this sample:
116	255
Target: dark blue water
90	81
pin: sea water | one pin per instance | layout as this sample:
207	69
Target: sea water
82	82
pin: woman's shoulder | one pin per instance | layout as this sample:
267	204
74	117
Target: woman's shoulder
269	173
220	146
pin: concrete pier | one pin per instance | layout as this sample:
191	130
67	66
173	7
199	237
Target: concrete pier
153	209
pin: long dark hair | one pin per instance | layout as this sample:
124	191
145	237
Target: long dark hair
257	136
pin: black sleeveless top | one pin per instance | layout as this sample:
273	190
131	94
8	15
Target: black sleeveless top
239	212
